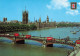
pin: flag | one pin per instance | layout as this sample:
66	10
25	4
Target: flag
73	5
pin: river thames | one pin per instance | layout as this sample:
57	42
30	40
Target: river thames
10	49
55	32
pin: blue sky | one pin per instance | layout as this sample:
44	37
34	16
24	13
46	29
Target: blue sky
57	10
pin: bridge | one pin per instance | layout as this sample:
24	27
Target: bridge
45	41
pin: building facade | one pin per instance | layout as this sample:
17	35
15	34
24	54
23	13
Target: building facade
14	21
39	24
47	19
25	17
45	24
4	20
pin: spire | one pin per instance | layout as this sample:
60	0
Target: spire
40	19
47	19
25	7
47	16
51	20
34	19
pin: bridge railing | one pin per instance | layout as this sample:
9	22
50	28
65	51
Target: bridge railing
40	39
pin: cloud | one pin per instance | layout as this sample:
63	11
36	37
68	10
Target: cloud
79	3
58	4
63	4
73	12
48	6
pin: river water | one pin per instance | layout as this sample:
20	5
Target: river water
10	49
55	32
7	49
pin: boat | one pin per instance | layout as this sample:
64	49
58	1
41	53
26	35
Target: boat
77	31
73	32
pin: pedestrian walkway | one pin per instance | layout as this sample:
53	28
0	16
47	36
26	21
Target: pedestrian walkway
78	54
73	53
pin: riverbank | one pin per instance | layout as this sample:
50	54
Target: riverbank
78	54
45	28
64	24
12	27
76	51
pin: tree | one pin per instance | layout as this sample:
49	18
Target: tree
33	27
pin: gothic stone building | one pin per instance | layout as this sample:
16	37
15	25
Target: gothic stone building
46	24
39	24
25	17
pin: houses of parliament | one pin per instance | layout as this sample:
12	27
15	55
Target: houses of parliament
39	24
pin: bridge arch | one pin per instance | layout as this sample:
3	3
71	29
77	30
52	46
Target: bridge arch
63	46
49	45
3	39
33	42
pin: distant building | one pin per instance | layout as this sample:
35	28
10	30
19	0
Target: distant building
47	19
8	21
0	21
14	21
25	17
45	24
20	22
39	24
4	20
36	20
40	20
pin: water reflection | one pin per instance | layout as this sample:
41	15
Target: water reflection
30	50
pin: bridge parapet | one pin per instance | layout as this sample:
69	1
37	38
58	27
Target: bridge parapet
39	39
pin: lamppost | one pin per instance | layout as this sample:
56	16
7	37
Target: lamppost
50	35
40	35
59	37
75	46
15	35
44	43
23	35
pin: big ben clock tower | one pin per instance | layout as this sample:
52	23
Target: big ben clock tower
25	17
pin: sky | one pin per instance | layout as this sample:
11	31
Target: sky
57	10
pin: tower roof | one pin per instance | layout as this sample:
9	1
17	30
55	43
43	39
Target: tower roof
47	17
40	19
25	12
